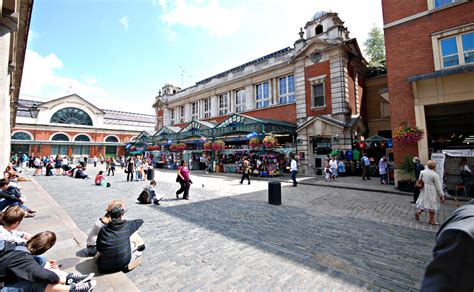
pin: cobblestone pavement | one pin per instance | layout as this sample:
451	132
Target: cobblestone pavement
228	237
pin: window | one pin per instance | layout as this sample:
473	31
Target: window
384	109
319	29
223	104
262	95
172	121
317	88
111	139
21	136
286	89
181	113
457	50
240	101
71	115
60	137
194	111
439	3
206	108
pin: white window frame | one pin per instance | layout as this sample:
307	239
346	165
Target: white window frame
286	96
317	81
223	103
182	114
240	102
436	39
206	108
265	101
194	110
384	109
172	116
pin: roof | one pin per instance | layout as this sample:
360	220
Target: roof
24	105
443	73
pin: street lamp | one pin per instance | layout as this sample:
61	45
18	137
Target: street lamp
34	110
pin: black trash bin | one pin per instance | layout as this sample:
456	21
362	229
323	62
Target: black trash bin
274	193
150	174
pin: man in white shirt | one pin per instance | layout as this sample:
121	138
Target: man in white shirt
293	170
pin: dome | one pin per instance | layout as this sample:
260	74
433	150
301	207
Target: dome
320	14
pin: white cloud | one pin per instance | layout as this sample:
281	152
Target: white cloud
210	15
40	78
124	22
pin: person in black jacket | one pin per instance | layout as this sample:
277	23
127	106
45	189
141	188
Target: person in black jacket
418	168
452	267
21	272
118	244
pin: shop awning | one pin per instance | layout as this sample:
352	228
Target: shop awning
376	138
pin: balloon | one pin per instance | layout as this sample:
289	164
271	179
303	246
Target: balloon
389	143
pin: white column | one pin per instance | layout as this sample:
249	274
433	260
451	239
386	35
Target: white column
5	129
249	97
187	112
214	106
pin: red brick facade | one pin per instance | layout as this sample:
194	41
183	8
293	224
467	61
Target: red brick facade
315	70
409	52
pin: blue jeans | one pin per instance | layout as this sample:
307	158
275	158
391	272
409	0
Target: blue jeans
293	177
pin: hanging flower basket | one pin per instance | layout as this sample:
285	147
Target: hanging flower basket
173	147
269	141
181	147
207	146
218	145
407	134
254	143
153	148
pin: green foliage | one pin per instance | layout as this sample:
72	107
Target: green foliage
375	47
407	167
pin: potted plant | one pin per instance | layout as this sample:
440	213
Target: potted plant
407	170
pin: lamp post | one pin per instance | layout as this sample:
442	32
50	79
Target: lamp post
34	110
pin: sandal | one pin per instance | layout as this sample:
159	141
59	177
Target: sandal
417	216
433	223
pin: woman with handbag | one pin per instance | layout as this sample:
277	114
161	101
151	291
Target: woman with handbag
184	181
430	190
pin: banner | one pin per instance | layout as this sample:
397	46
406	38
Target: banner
439	158
459	153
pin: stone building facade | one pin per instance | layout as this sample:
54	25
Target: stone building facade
430	64
318	85
14	27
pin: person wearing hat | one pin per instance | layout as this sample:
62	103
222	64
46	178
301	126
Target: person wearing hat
418	168
118	245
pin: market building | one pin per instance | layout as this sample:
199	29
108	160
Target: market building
72	126
15	21
430	64
313	90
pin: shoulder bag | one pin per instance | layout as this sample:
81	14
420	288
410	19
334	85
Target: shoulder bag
419	183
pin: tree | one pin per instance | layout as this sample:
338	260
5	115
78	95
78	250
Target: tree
375	47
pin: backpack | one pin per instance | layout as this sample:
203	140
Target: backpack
144	197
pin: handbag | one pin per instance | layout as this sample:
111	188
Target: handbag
419	183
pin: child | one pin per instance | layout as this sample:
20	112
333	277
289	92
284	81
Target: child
151	189
328	172
100	180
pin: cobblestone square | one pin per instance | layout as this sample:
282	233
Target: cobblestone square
228	237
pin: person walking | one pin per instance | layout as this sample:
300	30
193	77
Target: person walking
184	181
95	161
130	169
383	170
365	162
418	168
431	190
245	170
293	170
333	166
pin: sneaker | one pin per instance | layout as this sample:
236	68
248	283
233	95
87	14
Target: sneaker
78	278
83	287
141	247
29	215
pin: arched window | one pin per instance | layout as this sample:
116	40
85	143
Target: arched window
111	139
319	29
21	136
82	138
71	115
60	137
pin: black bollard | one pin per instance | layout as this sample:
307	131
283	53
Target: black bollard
274	193
150	174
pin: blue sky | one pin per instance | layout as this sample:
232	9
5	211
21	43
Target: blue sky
117	53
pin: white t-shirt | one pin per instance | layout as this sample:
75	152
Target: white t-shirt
92	238
293	165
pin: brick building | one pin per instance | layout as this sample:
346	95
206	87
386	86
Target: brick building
72	126
430	63
317	85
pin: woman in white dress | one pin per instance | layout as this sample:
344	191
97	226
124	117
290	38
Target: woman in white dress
429	194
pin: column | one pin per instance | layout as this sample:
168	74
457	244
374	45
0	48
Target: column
5	137
249	97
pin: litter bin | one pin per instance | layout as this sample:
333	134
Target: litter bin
150	174
274	193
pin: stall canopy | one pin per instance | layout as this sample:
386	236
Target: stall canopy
166	133
376	138
242	124
195	131
144	136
